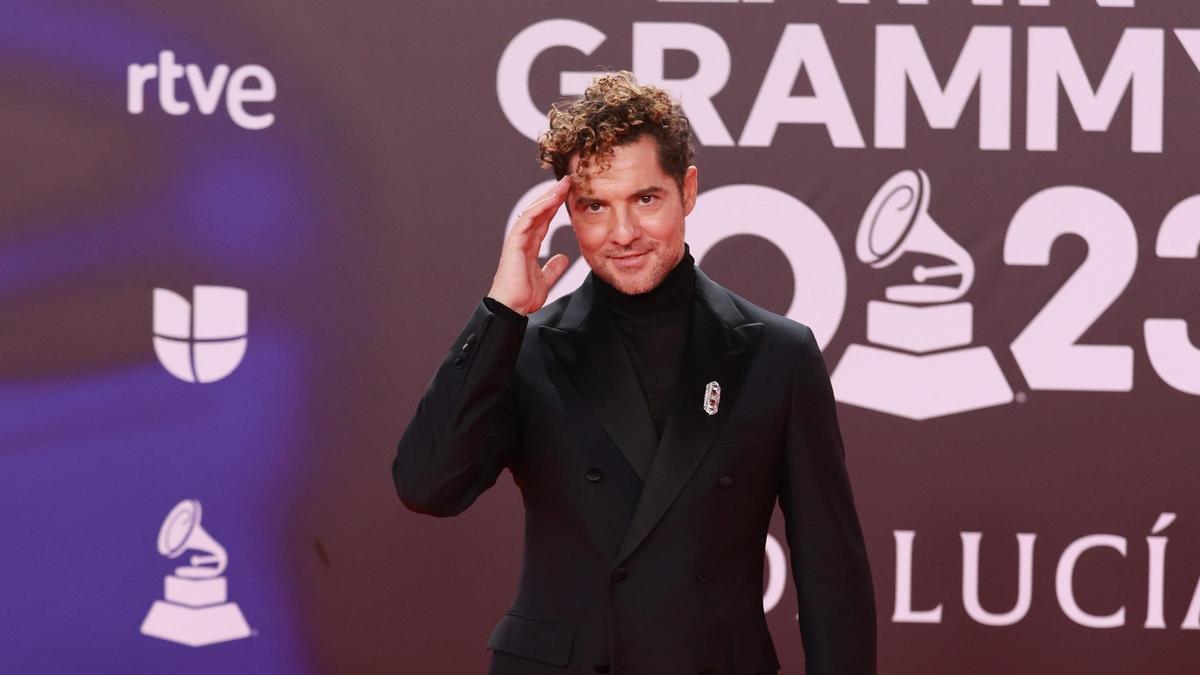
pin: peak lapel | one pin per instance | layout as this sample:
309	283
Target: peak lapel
719	348
587	346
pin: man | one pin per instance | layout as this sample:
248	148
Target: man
651	419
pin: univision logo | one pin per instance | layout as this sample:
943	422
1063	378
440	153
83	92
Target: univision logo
203	340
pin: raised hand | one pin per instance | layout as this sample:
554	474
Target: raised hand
520	283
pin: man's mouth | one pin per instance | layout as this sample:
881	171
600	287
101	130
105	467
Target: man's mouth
629	260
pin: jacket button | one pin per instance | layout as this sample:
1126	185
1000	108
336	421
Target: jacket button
593	474
724	481
619	574
702	577
465	349
600	667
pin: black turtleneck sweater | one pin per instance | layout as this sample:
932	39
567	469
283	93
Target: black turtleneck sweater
653	327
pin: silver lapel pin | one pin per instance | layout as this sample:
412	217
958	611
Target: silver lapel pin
712	397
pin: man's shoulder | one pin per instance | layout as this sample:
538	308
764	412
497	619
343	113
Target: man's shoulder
776	327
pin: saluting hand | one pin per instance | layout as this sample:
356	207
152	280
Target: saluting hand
520	283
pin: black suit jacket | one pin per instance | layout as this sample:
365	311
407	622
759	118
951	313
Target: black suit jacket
658	569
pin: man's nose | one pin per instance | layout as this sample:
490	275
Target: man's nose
626	229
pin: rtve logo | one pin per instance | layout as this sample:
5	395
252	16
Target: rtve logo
205	92
203	340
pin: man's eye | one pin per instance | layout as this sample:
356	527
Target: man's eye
589	206
647	197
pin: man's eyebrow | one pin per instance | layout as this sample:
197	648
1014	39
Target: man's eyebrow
651	190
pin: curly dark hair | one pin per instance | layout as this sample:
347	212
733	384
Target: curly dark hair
615	110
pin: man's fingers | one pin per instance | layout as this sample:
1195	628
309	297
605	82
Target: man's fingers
554	197
554	268
551	200
537	225
540	226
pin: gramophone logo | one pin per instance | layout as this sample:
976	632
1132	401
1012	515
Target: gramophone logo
203	340
196	611
920	364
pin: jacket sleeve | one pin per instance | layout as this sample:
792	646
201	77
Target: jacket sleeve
828	556
464	431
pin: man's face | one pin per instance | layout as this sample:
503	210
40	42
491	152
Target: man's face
629	218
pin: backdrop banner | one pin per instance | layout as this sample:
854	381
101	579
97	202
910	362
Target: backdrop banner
237	238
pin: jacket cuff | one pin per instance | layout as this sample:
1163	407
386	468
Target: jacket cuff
504	311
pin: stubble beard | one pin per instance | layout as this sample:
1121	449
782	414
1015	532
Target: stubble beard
662	266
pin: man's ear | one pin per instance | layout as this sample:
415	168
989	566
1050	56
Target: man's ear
689	189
